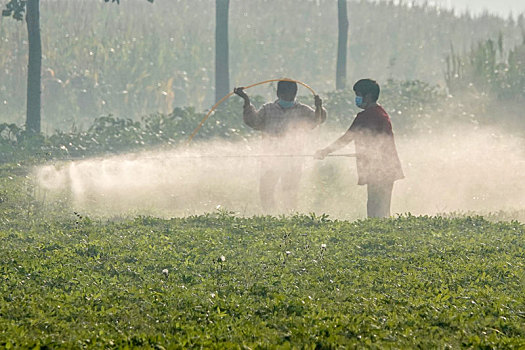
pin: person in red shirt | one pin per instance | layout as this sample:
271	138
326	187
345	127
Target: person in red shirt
378	164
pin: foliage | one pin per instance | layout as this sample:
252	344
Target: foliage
488	70
219	281
15	8
111	135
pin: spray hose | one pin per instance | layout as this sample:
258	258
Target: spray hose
221	156
231	93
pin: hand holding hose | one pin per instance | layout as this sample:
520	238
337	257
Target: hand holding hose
318	102
320	112
239	91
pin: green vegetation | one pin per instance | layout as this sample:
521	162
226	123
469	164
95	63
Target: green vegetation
223	281
489	70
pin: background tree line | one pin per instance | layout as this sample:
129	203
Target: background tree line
133	60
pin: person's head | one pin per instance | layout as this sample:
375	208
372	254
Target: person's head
286	90
367	92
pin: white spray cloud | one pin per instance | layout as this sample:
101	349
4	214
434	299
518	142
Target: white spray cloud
456	170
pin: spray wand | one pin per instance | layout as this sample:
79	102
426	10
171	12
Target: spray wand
220	156
223	156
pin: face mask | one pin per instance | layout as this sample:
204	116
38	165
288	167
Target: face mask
286	104
359	101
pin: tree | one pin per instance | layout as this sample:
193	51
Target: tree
34	67
16	9
340	75
222	74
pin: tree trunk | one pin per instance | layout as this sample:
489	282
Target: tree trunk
34	69
340	75
222	71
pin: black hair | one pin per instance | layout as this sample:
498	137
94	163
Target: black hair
367	86
287	88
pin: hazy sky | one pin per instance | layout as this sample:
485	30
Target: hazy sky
501	7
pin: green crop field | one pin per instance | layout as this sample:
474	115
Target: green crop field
219	281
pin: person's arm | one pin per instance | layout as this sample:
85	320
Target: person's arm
338	144
250	115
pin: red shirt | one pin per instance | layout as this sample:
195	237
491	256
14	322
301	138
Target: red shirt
377	159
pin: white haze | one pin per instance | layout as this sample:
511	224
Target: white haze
461	169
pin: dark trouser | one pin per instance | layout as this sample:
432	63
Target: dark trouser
289	175
379	197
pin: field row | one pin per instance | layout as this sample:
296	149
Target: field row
219	280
